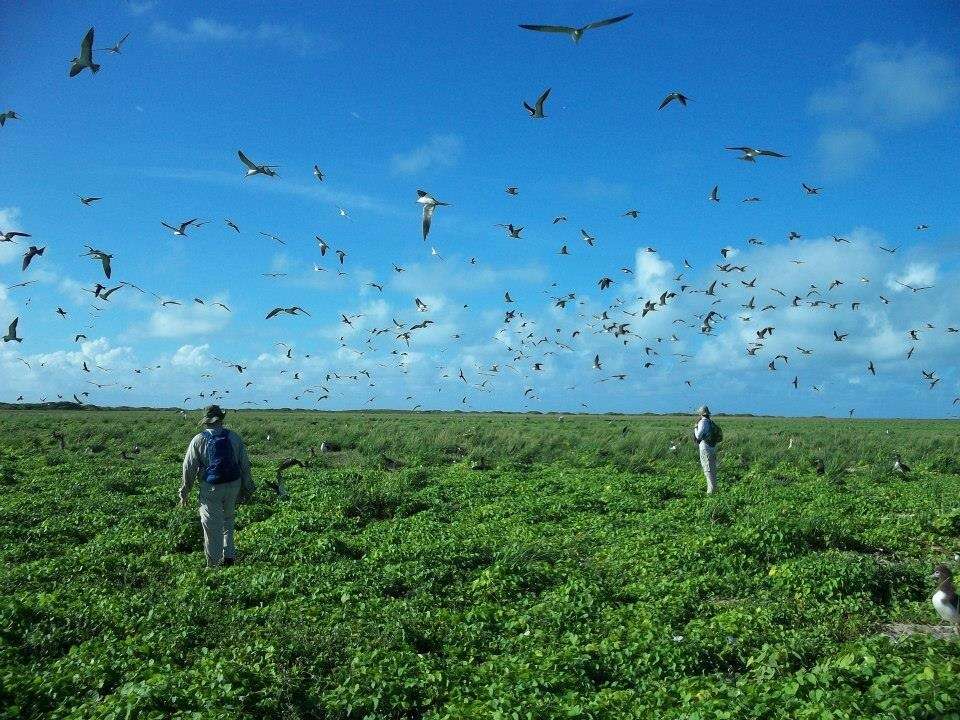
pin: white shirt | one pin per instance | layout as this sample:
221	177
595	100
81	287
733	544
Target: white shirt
701	430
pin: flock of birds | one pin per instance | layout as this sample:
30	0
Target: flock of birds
527	343
527	347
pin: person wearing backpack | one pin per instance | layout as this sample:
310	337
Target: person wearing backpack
707	434
218	457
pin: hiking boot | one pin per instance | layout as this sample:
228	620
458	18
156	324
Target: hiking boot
229	561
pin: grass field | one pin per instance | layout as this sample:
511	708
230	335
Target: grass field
581	572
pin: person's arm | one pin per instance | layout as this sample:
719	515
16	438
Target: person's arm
191	466
246	478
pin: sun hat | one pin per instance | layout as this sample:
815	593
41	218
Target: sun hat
212	414
704	411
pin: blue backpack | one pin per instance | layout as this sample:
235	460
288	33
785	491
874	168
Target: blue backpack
221	463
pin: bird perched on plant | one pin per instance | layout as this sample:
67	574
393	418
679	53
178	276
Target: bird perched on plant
945	600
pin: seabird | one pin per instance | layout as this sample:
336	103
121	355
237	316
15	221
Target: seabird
576	33
430	204
85	58
12	332
678	96
537	110
751	154
254	169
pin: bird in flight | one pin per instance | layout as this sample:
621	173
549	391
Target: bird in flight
576	33
430	204
8	115
85	58
289	311
678	96
30	254
115	49
751	154
101	256
12	332
231	224
88	201
810	190
715	194
9	235
318	173
254	169
537	110
914	287
182	229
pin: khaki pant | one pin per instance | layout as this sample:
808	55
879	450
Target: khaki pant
217	508
708	461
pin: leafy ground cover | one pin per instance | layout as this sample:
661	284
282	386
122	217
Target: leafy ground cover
581	572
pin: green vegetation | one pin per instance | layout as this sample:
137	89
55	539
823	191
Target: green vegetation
582	573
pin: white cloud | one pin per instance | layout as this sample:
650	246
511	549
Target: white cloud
891	85
650	273
915	274
191	356
845	152
210	30
439	151
176	321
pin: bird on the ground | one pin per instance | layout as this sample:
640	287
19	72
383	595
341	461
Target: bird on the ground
85	59
576	33
254	169
945	600
536	111
430	204
899	466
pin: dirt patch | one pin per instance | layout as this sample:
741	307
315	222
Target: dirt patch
898	631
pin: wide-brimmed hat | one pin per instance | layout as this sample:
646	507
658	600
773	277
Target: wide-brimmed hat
212	414
704	411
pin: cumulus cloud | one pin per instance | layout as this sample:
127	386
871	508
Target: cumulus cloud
651	273
891	85
191	356
916	275
438	152
175	321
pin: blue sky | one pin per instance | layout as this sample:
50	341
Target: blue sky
864	99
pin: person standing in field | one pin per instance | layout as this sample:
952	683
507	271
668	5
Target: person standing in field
218	457
707	434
